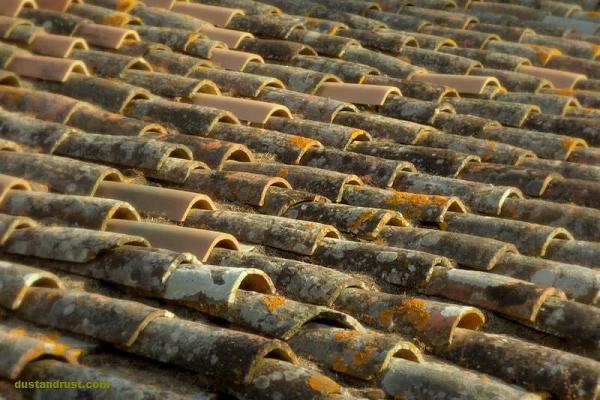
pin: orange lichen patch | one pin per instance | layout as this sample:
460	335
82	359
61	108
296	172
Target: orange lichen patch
491	145
115	20
545	53
593	14
360	221
283	172
323	384
361	357
18	332
346	335
566	92
339	365
416	312
300	142
400	198
412	310
272	302
568	143
125	5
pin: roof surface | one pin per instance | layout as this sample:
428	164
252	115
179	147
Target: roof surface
286	199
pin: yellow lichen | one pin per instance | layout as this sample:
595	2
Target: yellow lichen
323	384
272	302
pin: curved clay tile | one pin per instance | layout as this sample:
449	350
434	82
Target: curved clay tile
357	93
86	314
382	127
56	45
298	237
109	65
175	63
228	36
364	222
531	181
360	256
286	148
9	24
30	132
215	153
294	78
169	85
274	27
374	170
19	352
280	199
62	175
94	119
420	207
560	79
462	83
579	283
279	50
530	239
330	184
490	59
515	81
237	83
177	238
387	312
8	52
413	88
511	114
67	243
253	111
574	252
292	278
475	253
76	211
17	279
234	60
188	119
112	95
153	200
548	103
175	170
109	37
219	16
10	224
41	105
12	8
237	187
46	68
56	5
23	35
308	106
135	152
477	287
8	183
483	198
103	15
333	135
8	145
9	79
284	321
195	287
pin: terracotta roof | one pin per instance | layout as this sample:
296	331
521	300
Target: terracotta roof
286	199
